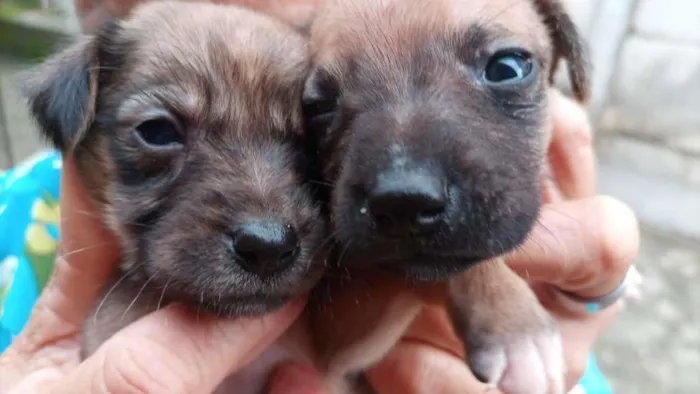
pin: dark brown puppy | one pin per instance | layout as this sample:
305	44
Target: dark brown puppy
185	123
432	121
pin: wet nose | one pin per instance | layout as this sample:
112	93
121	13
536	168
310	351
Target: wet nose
407	200
265	248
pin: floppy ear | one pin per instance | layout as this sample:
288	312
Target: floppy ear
568	44
62	92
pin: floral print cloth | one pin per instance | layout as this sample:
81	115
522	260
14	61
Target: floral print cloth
29	215
28	237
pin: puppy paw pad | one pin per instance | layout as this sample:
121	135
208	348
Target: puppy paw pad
523	365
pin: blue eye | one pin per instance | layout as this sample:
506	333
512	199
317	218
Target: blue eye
508	67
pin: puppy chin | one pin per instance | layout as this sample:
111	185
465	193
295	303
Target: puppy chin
244	306
249	302
418	266
437	261
431	269
229	291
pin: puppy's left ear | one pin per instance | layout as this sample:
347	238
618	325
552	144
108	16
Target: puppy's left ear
62	92
568	44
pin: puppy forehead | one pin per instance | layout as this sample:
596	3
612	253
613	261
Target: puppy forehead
208	53
167	31
345	29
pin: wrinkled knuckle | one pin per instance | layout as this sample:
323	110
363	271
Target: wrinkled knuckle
585	269
127	369
582	278
620	240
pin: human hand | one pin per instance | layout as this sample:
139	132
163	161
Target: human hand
169	351
583	244
91	13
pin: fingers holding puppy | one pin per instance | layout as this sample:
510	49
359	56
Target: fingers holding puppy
141	358
584	247
510	340
418	367
88	254
571	156
429	357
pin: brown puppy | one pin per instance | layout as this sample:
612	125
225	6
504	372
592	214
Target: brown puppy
432	122
185	123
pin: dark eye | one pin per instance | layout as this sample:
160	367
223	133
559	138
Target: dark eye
321	106
508	67
320	98
160	132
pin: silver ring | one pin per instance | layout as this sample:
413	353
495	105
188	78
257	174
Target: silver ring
596	304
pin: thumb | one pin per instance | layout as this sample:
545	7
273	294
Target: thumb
418	368
175	351
582	246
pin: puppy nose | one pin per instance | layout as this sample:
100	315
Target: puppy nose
265	247
409	201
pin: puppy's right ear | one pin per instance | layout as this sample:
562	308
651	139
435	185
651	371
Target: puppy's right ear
62	93
568	44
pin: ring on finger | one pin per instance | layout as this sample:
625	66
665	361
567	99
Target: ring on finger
629	287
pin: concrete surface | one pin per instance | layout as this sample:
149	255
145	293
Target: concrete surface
646	109
646	96
654	346
19	138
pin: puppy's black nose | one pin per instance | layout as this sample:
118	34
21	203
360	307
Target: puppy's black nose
266	247
408	201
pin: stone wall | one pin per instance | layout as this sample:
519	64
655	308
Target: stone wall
646	105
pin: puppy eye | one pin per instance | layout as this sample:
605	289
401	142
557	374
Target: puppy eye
508	67
160	132
320	107
320	98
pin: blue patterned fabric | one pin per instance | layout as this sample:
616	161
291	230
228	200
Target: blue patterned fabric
29	215
28	237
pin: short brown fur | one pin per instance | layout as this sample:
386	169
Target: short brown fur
231	79
393	69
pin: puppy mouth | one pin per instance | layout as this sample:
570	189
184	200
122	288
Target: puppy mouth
233	291
421	264
246	306
429	267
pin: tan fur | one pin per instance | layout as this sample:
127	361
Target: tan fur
354	327
346	28
488	303
261	64
231	80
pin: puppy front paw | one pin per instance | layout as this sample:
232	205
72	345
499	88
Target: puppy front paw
527	362
510	340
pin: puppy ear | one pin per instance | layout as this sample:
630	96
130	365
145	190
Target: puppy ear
568	44
62	92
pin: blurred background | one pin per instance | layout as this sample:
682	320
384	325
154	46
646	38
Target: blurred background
646	114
